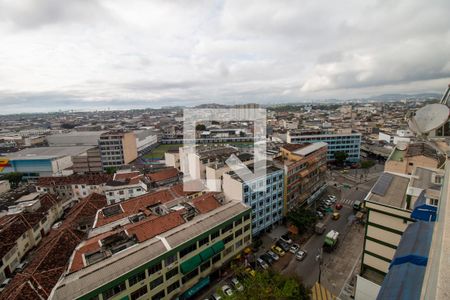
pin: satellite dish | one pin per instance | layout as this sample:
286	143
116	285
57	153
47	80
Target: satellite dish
428	118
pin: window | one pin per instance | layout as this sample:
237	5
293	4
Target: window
189	276
203	241
227	228
228	239
227	251
159	296
205	266
136	278
173	287
238	222
171	273
238	244
215	235
188	249
246	217
139	293
170	260
114	290
247	239
156	282
155	268
247	227
238	233
215	258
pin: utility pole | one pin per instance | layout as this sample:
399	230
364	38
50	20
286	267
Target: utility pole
319	259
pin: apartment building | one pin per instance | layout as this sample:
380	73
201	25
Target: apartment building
394	202
405	157
88	162
125	184
117	148
170	253
305	167
23	231
73	187
267	206
348	142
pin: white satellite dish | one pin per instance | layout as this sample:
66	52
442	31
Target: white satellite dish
429	117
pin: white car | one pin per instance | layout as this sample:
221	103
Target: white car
4	283
262	263
300	254
273	255
294	248
226	289
236	284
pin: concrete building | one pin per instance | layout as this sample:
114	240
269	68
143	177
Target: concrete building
117	148
125	184
23	231
349	143
43	161
267	206
88	162
405	157
4	186
305	167
394	202
145	140
75	138
185	245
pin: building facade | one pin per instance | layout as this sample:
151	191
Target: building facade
117	148
267	206
349	143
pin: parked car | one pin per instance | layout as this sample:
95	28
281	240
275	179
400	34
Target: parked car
332	198
319	214
267	258
4	284
273	255
216	296
300	255
294	248
278	250
236	284
328	202
338	206
285	238
226	289
283	245
262	263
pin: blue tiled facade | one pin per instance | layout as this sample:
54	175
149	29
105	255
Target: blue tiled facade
348	143
267	206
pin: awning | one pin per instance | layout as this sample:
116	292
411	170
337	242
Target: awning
218	247
403	282
191	264
414	244
207	254
197	287
422	210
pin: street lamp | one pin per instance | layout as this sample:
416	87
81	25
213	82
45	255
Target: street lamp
319	259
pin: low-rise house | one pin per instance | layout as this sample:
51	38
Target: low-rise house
125	185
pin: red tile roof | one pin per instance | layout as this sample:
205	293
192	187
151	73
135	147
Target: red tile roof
206	203
88	179
125	176
163	175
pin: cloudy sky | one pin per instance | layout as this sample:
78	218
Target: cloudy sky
90	54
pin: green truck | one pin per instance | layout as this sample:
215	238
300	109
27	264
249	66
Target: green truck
331	240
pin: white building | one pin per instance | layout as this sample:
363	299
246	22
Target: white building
125	185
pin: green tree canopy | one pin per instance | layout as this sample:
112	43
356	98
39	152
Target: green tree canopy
200	127
302	218
270	285
340	157
14	178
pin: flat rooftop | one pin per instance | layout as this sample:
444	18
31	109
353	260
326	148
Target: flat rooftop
390	189
47	152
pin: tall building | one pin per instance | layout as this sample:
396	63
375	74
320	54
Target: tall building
88	162
394	202
305	167
172	251
267	206
117	148
348	142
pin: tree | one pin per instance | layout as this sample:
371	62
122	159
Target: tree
200	127
302	218
111	170
271	285
14	178
340	157
366	164
67	126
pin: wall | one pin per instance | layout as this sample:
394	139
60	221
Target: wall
366	289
